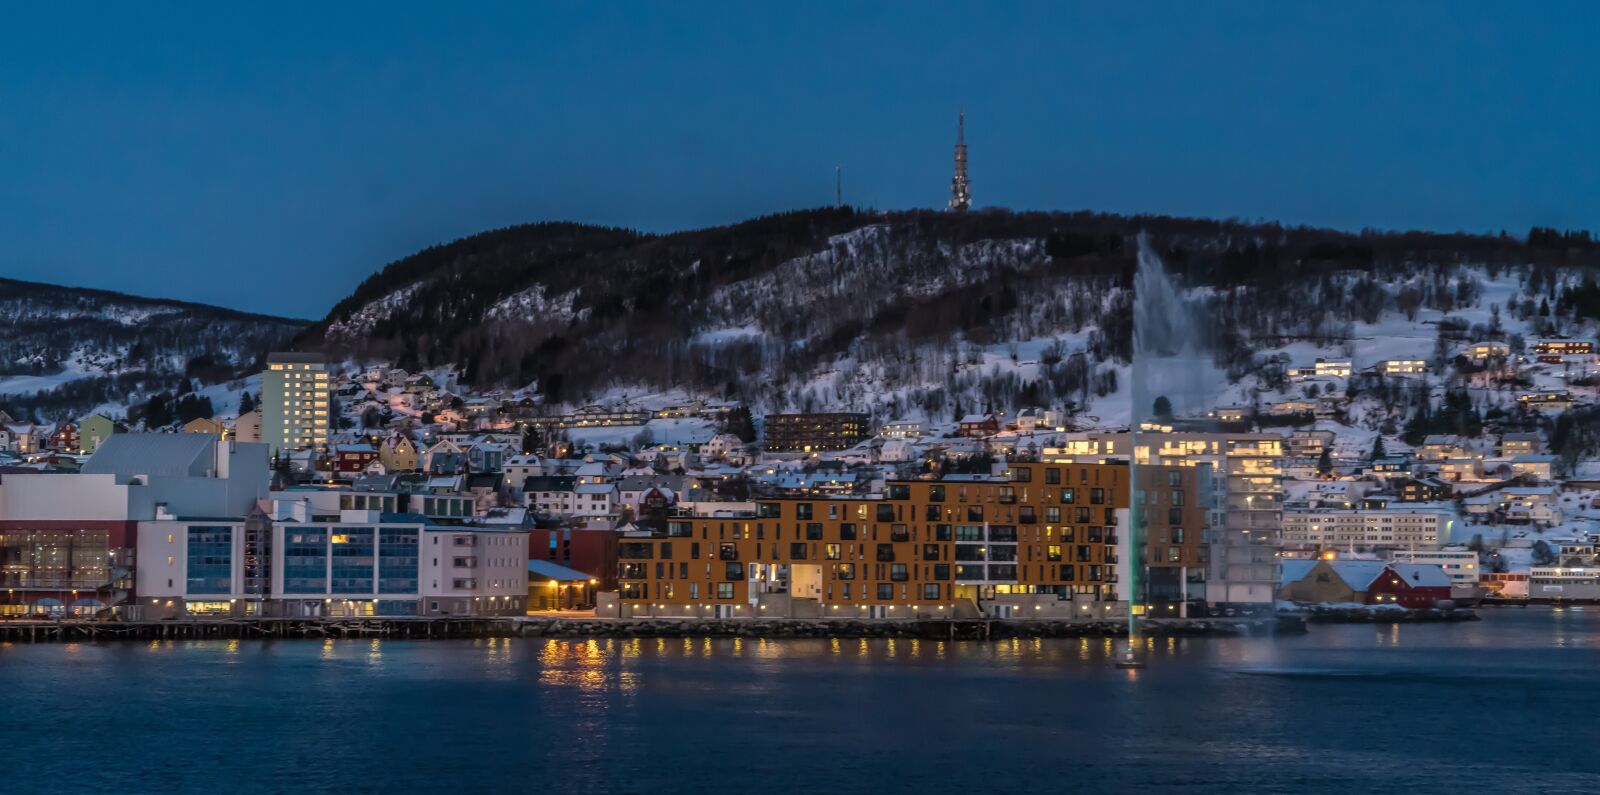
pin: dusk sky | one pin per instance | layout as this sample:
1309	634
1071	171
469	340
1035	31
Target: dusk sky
269	159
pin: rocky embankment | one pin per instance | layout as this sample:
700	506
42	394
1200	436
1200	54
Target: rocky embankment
975	629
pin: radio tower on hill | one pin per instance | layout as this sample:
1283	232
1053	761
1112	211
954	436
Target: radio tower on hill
960	190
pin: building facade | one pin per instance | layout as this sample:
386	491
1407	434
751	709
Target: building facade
813	432
295	402
1244	498
1041	539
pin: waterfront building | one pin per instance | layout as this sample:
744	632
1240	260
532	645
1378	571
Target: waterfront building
1564	582
68	541
1041	539
1371	582
356	563
294	402
1244	498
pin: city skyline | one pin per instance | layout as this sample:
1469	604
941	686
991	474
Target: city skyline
178	156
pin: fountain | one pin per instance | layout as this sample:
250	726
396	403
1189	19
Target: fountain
1173	365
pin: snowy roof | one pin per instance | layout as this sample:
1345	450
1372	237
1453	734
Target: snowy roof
1422	575
160	454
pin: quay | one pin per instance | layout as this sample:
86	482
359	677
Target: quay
587	626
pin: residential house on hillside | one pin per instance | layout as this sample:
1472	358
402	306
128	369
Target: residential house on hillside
96	428
247	428
977	426
64	438
1483	351
398	453
210	425
1514	444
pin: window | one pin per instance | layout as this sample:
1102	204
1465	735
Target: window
899	532
831	552
885	591
802	510
1097	496
931	513
897	572
1052	553
797	551
936	493
1052	476
974	513
930	590
845	571
724	590
1052	514
814	531
1174	516
885	553
885	512
732	571
847	532
930	551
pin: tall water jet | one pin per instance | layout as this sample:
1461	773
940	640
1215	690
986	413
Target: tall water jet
1173	375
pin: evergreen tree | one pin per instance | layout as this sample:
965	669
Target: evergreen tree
741	424
1162	408
247	403
1377	449
1325	462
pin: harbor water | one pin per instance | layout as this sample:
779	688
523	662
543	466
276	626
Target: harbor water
1503	704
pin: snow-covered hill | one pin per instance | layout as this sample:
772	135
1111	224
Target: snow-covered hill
65	351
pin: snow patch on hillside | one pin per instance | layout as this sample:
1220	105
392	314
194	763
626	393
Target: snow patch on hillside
362	321
532	305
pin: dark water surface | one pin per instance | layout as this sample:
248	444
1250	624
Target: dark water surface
1510	703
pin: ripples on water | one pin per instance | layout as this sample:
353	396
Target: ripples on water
1502	704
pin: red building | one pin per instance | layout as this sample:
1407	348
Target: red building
353	460
978	426
65	438
1412	585
593	552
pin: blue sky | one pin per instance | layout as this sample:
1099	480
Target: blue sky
270	156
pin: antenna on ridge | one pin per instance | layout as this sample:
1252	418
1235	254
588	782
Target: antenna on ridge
838	186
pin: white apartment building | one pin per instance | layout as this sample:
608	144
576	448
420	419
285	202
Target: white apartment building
1363	531
294	402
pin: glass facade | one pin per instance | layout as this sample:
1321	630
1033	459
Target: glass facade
305	561
353	558
54	558
210	564
397	561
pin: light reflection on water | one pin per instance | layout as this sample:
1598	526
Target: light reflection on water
1336	710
